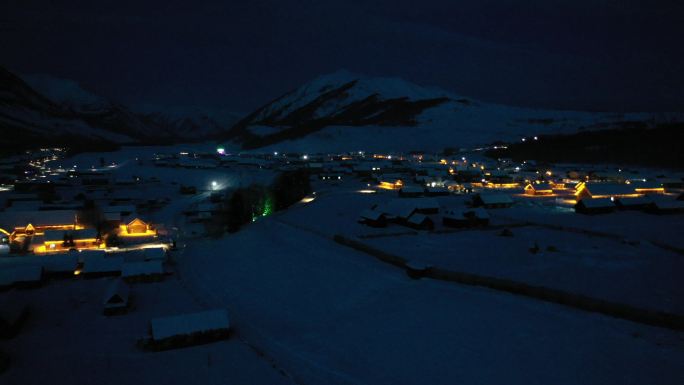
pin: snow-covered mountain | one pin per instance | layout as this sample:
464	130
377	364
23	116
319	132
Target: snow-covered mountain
346	111
41	110
66	93
28	117
190	122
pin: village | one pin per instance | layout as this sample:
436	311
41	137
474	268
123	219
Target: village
125	222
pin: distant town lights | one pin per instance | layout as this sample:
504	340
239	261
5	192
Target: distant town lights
221	151
305	157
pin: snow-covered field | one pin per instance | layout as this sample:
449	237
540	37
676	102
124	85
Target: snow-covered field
625	267
67	340
335	316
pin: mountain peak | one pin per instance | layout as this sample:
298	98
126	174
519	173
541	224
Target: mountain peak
341	98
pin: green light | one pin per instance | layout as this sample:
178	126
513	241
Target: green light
268	207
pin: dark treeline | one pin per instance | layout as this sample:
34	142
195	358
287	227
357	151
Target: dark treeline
247	204
656	147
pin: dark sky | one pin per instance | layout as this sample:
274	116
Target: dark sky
583	54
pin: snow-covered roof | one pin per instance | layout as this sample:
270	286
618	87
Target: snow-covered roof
102	265
609	188
634	201
490	199
116	293
417	219
137	268
184	324
371	214
58	235
649	184
11	219
403	207
596	203
540	186
667	203
20	274
477	212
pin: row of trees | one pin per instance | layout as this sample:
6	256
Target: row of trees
247	204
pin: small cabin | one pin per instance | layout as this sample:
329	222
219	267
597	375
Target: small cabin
477	216
188	329
373	218
648	187
142	271
469	218
453	218
539	189
636	203
492	201
420	222
137	228
594	206
666	205
64	240
116	299
100	266
605	190
426	205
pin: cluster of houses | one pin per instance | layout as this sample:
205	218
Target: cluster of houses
66	222
424	213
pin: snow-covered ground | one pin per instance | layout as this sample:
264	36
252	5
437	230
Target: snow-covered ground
307	310
332	315
67	340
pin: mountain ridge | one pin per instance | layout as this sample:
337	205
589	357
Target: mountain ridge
355	110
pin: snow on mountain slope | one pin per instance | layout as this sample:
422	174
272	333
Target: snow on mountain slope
344	111
44	110
33	119
66	92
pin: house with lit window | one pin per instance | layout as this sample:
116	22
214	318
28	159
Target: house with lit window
648	187
541	188
35	222
137	228
65	240
605	190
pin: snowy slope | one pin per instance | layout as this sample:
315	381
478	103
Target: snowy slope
44	110
66	92
345	111
35	118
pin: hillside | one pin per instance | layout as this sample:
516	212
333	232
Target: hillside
345	111
40	110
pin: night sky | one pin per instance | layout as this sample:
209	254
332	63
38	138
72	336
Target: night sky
594	54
